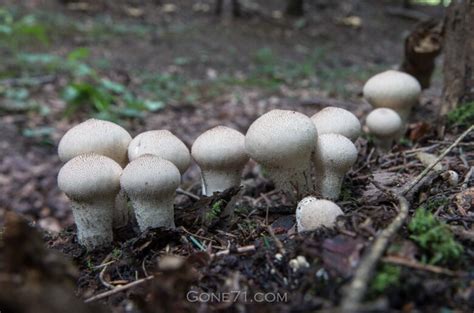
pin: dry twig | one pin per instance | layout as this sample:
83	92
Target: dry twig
118	289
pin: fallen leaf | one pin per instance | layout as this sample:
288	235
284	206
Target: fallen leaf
342	254
427	159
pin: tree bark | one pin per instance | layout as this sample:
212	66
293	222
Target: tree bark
458	55
422	47
294	8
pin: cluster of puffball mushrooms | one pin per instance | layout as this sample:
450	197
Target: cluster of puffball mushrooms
105	167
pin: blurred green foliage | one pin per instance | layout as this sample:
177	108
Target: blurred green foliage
462	115
387	276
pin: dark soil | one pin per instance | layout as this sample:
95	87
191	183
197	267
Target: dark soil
34	278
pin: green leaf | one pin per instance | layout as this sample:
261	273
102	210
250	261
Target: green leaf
78	54
153	105
112	86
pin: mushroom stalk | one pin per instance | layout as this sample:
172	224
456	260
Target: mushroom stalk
328	183
93	226
218	180
152	213
121	214
292	179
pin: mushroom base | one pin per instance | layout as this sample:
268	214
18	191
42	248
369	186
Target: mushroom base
153	213
94	222
328	184
291	180
218	181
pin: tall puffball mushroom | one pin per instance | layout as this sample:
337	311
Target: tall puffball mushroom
220	153
385	125
312	214
104	138
334	156
282	142
151	183
395	90
163	144
333	120
91	182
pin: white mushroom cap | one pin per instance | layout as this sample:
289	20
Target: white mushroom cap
151	183
92	182
334	156
333	120
163	144
385	125
95	136
312	214
282	142
220	153
393	89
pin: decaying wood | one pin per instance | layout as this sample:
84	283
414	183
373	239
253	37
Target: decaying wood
458	55
422	47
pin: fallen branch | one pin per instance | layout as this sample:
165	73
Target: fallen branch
187	193
420	266
243	249
354	293
118	289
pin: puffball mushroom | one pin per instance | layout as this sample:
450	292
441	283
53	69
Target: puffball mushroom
95	136
151	182
220	153
333	120
163	144
91	182
385	125
312	214
282	142
393	89
104	138
334	156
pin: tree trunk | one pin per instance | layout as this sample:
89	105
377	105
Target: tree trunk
458	55
294	8
422	47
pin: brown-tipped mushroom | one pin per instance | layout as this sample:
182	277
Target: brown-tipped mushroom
151	183
104	138
163	144
333	120
220	153
282	142
91	182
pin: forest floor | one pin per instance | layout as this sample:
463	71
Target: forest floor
176	66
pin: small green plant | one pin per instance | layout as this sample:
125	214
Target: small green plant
215	210
387	276
462	115
18	30
434	238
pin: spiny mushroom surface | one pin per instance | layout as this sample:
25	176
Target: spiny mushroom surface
220	153
333	120
393	89
282	142
95	136
334	156
163	144
104	138
385	125
312	214
91	182
151	184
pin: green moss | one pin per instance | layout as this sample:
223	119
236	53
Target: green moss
434	238
387	276
462	115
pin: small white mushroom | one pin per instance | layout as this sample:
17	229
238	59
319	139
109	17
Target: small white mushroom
91	182
393	89
104	138
312	214
385	125
220	153
282	142
151	183
451	177
334	156
333	120
163	144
